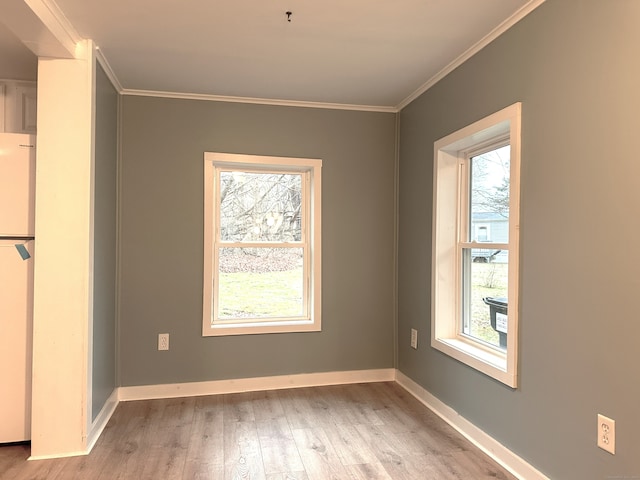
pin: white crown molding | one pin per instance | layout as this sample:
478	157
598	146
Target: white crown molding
217	387
106	66
56	22
487	39
494	449
258	101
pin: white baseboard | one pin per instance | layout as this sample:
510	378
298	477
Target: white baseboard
501	454
58	455
215	387
102	419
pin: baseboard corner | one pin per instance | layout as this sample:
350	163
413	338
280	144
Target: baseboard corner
101	420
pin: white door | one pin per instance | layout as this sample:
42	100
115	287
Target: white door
16	310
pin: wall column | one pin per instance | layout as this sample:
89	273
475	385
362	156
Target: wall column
63	285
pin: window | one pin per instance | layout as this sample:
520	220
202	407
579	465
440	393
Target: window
475	245
482	232
262	255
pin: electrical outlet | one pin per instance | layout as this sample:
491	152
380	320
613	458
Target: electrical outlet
163	341
607	434
414	338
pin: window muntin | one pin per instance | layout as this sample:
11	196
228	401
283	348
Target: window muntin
262	244
462	259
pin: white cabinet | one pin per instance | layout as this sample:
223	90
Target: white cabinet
18	106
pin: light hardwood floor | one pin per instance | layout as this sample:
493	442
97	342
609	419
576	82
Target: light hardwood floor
360	432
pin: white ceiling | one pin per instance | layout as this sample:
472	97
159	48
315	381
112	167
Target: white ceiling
355	52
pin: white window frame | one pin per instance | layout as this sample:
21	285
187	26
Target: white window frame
450	159
311	169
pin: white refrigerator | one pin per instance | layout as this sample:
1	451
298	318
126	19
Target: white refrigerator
17	229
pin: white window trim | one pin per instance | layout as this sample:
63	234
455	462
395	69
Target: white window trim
314	276
446	287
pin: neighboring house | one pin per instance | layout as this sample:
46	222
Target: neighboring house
489	227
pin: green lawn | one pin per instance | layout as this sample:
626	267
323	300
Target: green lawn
488	280
279	294
268	294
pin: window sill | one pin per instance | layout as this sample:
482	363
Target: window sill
257	328
485	360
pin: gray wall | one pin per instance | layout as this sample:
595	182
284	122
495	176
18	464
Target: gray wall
104	295
163	142
574	65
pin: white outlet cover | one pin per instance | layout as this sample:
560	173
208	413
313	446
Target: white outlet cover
607	434
163	341
414	338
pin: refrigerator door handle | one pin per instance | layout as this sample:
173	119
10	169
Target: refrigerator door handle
17	238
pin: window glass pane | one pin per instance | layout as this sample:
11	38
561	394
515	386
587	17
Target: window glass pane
485	303
489	210
260	283
260	207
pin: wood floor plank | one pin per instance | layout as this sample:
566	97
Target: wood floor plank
267	406
368	471
170	423
242	453
397	420
13	458
383	443
165	463
411	467
40	470
238	407
421	440
295	402
194	470
206	442
350	445
279	450
322	407
165	443
374	395
289	476
354	405
321	462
